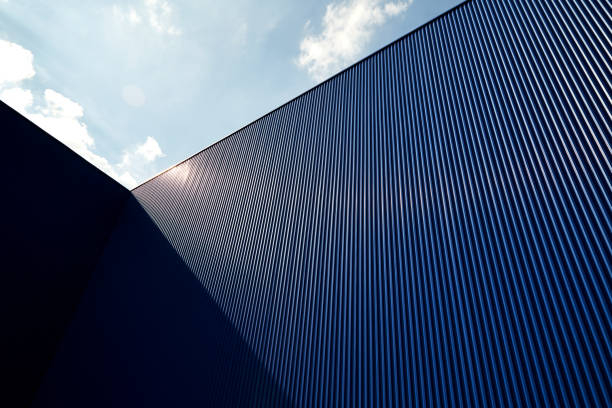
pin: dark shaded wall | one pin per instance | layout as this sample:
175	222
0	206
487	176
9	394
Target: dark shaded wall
147	334
432	226
57	212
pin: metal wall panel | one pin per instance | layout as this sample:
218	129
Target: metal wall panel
146	334
57	213
430	226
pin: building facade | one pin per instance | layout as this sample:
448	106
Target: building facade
431	226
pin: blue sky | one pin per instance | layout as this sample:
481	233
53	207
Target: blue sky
137	86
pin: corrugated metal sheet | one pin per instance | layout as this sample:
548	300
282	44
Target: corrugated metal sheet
431	226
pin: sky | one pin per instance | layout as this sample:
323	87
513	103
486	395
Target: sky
137	86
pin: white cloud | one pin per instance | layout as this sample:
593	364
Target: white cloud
149	150
60	106
17	98
17	63
62	117
393	9
136	159
157	13
127	180
346	29
133	17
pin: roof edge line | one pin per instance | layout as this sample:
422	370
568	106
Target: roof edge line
436	18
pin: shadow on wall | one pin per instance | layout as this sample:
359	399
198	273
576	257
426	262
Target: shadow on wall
148	334
57	213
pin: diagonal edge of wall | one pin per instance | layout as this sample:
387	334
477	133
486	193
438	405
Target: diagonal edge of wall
57	213
314	88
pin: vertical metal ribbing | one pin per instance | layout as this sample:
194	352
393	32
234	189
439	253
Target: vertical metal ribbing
431	226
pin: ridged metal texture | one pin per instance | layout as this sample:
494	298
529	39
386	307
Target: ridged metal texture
431	226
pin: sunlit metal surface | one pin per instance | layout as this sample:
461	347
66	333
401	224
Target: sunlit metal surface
430	226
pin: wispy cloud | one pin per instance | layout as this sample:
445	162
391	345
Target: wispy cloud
127	15
138	158
347	27
62	117
157	14
149	150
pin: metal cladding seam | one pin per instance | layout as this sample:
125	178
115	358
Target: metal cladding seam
429	227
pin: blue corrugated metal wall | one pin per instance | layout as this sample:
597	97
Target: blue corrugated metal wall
431	226
147	335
